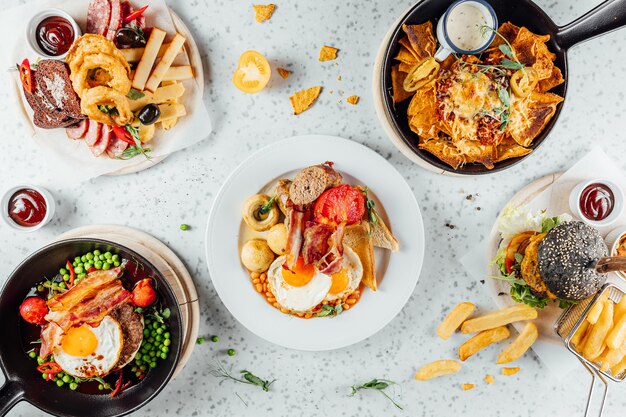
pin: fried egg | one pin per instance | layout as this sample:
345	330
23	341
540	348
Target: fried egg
87	351
302	289
346	281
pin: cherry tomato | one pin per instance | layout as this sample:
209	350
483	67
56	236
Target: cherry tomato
343	203
253	72
26	76
33	310
143	294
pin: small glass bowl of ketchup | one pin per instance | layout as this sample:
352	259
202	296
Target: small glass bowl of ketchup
598	202
27	207
51	32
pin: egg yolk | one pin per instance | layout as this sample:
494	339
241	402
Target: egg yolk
300	275
79	341
340	282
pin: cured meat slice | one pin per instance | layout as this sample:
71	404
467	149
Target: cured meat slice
78	130
332	261
115	21
315	244
105	138
295	226
98	16
94	131
116	147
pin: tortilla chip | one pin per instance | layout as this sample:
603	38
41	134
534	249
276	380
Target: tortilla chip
508	149
556	78
397	82
405	42
529	116
444	150
405	56
508	30
404	67
447	63
422	113
263	12
328	53
474	151
532	50
302	100
353	100
284	73
422	39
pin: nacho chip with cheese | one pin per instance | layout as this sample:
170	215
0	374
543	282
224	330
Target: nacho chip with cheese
328	53
302	100
263	12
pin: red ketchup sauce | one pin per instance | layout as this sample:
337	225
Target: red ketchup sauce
597	201
27	207
55	35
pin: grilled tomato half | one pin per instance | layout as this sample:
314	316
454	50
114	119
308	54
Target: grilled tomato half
340	204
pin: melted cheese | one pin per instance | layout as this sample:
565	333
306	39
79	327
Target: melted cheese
473	93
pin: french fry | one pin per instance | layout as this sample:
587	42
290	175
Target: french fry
489	379
482	340
613	357
454	319
520	345
619	368
580	335
510	371
617	336
437	369
596	309
499	318
620	308
593	345
467	387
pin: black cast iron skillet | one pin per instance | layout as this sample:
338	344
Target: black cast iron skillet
24	382
607	17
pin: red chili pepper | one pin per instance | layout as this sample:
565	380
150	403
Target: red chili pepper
49	368
26	76
72	273
92	269
134	15
118	386
122	134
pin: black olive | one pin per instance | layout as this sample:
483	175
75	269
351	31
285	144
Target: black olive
128	37
149	114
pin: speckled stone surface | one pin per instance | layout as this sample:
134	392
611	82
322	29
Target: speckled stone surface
181	189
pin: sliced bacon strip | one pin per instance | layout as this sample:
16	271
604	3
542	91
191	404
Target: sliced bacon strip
50	337
295	228
332	261
86	288
315	244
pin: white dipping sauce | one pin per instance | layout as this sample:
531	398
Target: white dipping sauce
463	26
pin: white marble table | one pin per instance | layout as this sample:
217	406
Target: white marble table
181	189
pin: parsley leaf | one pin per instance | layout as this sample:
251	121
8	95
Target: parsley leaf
135	94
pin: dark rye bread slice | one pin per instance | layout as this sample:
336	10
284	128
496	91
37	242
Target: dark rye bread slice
52	77
311	182
45	115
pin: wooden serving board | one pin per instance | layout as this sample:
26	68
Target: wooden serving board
167	262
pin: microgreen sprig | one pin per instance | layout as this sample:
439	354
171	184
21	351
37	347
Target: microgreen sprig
218	371
265	208
370	204
331	311
138	148
377	384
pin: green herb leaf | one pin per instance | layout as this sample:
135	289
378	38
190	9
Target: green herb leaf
138	148
504	96
519	258
135	94
265	208
370	204
548	224
108	109
506	50
508	64
379	385
218	371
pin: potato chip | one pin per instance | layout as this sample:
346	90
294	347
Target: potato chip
284	73
422	39
302	100
263	12
328	53
353	100
397	82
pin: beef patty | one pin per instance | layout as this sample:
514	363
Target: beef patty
132	329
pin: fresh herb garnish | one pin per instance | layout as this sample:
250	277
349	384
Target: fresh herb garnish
138	148
548	224
328	310
218	371
108	109
370	204
377	384
161	316
265	208
134	94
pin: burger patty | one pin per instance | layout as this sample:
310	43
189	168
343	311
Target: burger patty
132	330
529	268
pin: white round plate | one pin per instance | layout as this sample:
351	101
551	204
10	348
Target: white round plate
358	164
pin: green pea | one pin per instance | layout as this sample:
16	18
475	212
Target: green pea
163	355
67	379
116	263
108	255
32	355
96	252
62	285
62	271
88	266
101	257
167	335
138	361
200	340
155	325
59	383
100	387
165	349
97	264
146	332
152	364
166	342
79	270
184	226
44	376
214	339
89	256
73	386
138	374
148	346
159	330
106	266
77	259
152	353
40	360
40	288
231	352
81	276
143	368
66	277
83	258
115	258
159	338
146	358
134	369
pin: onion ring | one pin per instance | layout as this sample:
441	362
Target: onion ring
108	72
92	44
106	96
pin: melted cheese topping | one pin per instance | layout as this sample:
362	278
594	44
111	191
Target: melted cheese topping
473	93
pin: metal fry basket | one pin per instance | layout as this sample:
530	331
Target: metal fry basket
567	326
